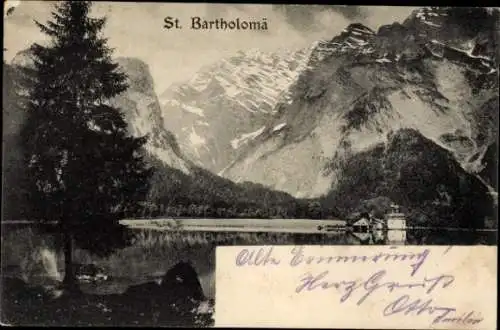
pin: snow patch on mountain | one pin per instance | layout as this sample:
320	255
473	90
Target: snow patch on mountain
237	142
195	110
430	23
279	127
195	139
202	123
198	82
383	60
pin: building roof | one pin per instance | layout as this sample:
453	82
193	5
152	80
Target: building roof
361	222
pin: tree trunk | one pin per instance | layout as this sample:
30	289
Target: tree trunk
69	282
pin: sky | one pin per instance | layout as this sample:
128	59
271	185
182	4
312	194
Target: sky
136	30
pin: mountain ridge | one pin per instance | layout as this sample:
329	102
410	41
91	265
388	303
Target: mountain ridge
369	81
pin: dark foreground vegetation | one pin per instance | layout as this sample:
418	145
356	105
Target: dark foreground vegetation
168	302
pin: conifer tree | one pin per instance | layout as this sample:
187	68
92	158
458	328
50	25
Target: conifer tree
85	169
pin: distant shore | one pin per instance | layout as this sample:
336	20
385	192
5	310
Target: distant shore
247	224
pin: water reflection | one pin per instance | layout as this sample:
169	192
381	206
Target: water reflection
33	256
396	237
449	236
363	237
380	237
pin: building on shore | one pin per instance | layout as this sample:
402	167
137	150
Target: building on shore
362	237
395	220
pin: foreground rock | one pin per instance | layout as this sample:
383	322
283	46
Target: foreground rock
176	299
182	282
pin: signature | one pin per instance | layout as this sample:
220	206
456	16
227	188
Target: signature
405	305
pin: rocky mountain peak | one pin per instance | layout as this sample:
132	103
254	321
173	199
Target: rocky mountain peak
390	29
471	30
142	111
357	29
354	36
222	106
418	36
139	76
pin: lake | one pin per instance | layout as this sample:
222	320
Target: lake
32	255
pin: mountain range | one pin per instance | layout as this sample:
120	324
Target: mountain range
432	73
407	113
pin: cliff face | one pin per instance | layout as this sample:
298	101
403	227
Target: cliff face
143	113
427	74
226	104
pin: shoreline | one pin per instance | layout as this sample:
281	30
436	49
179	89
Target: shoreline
271	225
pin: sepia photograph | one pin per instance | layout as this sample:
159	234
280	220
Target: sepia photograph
138	137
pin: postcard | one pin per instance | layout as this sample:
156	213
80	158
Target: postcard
149	149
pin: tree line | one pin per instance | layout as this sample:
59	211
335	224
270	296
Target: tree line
300	209
204	194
